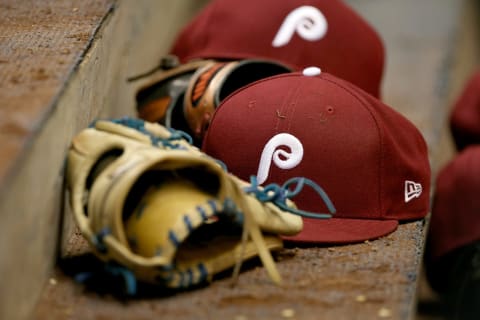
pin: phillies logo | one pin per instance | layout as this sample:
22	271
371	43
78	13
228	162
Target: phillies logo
280	157
307	21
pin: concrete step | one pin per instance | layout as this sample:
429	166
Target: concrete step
62	64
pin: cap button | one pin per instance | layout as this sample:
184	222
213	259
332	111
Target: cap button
311	71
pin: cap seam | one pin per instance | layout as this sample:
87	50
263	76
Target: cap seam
294	107
244	88
379	131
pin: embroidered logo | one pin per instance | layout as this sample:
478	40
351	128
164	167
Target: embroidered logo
412	190
307	21
280	157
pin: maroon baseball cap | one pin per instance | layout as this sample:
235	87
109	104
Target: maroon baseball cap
465	116
370	160
455	220
297	33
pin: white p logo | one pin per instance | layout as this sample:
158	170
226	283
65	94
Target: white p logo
283	159
307	21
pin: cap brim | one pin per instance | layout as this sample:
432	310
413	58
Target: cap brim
342	231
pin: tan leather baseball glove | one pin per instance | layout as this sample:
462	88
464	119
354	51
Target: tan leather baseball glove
150	202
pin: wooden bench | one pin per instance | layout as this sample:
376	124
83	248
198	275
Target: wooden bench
62	64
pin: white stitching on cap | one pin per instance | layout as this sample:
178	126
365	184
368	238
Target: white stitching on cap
290	159
307	21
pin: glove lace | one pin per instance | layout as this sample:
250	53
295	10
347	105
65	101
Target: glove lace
279	194
98	240
139	125
114	271
251	229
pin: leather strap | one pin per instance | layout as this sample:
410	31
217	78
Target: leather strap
215	81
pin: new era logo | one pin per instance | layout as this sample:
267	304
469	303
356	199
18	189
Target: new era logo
412	190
